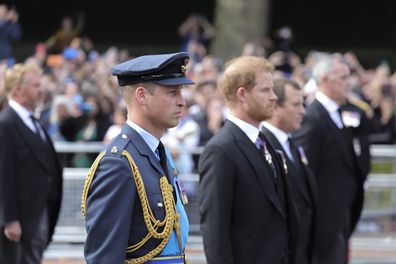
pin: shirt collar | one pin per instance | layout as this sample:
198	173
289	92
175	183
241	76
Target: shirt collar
328	103
150	140
22	111
279	134
251	131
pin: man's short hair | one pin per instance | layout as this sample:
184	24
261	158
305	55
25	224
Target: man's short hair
280	89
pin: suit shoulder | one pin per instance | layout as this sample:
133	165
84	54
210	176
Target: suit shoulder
5	115
221	138
313	109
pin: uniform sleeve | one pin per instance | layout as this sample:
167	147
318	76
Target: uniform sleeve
216	197
8	181
109	212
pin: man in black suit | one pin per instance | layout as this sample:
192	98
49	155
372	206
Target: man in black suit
329	149
247	212
287	118
31	176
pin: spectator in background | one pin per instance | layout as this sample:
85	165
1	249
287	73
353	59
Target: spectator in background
61	109
384	121
119	118
184	135
207	69
64	36
10	31
203	92
39	57
284	39
91	125
3	94
211	119
379	93
253	49
195	29
285	62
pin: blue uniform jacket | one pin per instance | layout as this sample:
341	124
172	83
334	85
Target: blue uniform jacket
114	217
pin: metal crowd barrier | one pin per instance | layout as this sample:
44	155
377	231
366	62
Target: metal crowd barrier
379	187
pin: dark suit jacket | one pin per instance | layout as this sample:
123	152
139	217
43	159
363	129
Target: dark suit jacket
30	176
241	216
361	137
332	159
303	187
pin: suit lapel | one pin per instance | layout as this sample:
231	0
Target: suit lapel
32	140
253	155
309	178
336	133
293	173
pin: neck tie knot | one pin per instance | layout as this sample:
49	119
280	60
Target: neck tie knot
37	126
259	142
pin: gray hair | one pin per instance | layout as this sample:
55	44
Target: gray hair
323	67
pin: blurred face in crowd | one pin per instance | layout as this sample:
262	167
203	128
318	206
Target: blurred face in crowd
259	102
67	23
93	106
292	110
3	12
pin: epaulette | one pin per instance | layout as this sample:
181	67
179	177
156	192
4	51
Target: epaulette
359	103
116	146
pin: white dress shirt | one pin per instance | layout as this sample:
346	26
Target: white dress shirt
331	107
251	131
281	136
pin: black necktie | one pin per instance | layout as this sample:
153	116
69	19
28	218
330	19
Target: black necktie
293	152
162	156
339	111
38	127
292	148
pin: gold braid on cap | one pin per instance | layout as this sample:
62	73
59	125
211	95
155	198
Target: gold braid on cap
171	220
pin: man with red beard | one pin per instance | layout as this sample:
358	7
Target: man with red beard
247	212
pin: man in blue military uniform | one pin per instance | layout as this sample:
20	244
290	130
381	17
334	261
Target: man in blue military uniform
132	201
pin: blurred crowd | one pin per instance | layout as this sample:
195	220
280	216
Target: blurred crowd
82	101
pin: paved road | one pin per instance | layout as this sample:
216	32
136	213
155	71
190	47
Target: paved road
365	250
